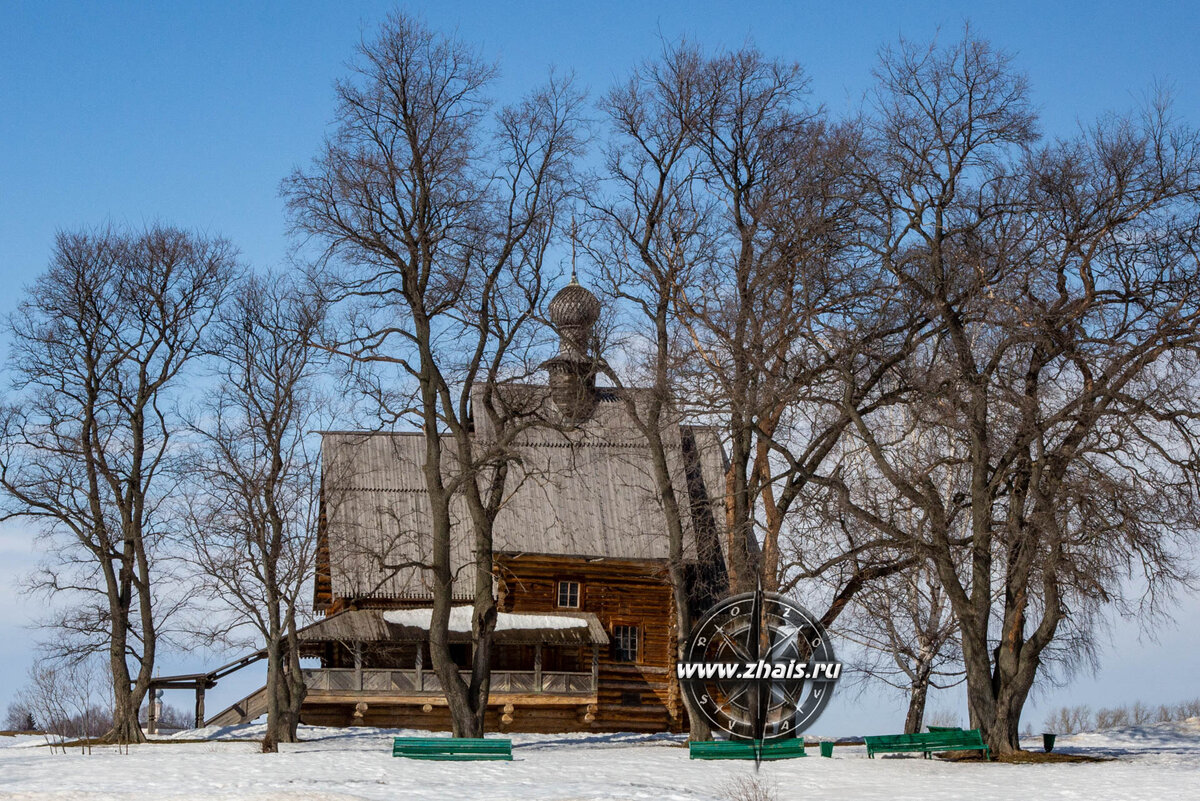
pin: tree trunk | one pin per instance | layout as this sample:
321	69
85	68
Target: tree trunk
275	699
741	576
994	698
285	694
482	626
918	693
463	721
125	727
698	728
285	684
294	684
127	698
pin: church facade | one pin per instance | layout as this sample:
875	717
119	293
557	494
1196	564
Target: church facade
585	637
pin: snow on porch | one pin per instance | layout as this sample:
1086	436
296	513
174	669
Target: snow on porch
460	620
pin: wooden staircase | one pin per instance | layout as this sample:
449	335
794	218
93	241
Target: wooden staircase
242	711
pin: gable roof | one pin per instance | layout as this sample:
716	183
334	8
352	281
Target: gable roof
587	491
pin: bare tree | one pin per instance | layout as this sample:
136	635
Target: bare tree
753	141
1069	720
1059	358
45	698
435	226
19	717
910	633
780	303
67	699
717	177
648	238
890	597
99	344
253	514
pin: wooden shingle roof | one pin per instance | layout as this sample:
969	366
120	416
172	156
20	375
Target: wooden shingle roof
587	492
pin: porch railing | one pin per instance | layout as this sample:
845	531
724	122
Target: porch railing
413	682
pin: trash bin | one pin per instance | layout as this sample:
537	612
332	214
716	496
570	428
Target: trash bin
1048	742
826	748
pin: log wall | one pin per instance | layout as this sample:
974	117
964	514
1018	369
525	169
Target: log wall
632	696
637	696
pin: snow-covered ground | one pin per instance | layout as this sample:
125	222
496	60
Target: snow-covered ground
1160	762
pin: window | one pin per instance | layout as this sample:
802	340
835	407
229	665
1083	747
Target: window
568	594
625	643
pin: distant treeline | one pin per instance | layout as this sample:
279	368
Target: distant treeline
1075	719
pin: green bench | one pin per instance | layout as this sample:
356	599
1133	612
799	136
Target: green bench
944	740
451	748
945	728
730	749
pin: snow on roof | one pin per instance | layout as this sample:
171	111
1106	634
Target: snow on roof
460	620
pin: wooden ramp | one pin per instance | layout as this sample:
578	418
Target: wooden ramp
243	711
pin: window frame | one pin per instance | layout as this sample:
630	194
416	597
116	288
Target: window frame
636	629
558	594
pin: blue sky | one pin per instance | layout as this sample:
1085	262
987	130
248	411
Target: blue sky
191	113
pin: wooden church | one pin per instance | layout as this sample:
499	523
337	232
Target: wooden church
585	637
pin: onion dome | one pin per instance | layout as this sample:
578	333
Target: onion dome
573	312
574	307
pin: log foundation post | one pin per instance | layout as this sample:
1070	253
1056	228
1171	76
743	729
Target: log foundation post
199	705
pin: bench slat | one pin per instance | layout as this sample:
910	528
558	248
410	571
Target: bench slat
940	740
451	748
728	749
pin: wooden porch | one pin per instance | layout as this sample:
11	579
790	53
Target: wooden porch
545	675
520	700
424	686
